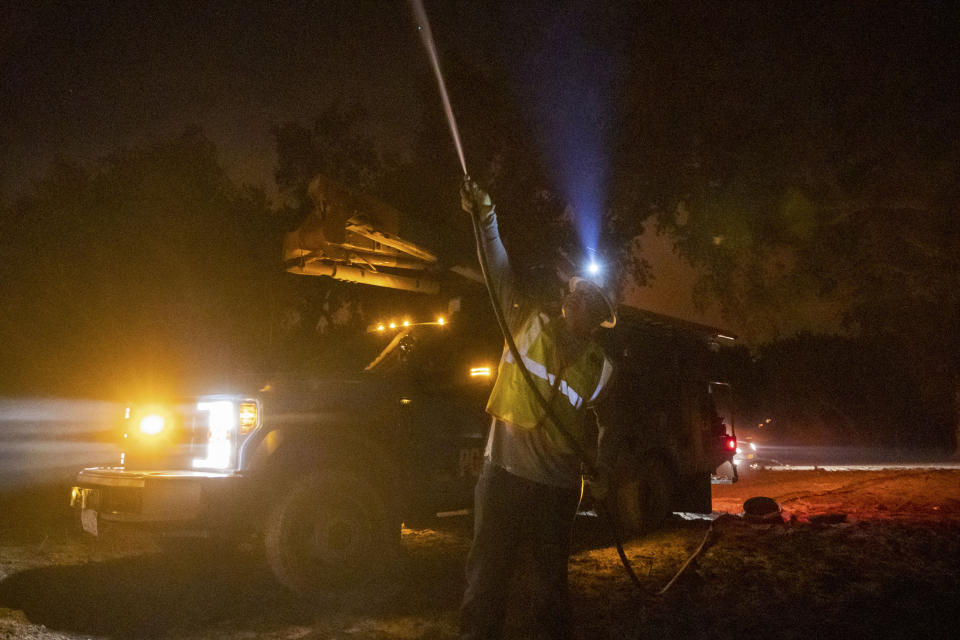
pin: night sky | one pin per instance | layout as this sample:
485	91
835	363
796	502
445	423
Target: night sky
82	78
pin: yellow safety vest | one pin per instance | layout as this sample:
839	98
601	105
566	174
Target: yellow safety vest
579	384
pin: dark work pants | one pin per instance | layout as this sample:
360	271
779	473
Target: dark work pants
513	515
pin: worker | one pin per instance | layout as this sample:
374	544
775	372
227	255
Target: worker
530	486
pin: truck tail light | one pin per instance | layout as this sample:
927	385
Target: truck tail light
730	443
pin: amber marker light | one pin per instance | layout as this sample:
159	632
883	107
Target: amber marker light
248	417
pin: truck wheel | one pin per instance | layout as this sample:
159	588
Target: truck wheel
643	499
329	531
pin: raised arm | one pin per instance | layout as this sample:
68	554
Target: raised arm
515	305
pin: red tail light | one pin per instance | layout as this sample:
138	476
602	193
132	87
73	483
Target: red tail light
730	442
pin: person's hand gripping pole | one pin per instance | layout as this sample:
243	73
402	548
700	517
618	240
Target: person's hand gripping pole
474	200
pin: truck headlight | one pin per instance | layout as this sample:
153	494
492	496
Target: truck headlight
152	424
222	426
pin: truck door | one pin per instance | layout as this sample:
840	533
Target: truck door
450	381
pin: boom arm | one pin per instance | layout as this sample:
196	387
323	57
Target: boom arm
353	237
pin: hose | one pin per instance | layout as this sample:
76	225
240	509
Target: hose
572	442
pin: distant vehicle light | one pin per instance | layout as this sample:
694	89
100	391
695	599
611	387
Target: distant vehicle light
480	372
152	424
753	446
406	323
380	327
393	325
440	320
248	417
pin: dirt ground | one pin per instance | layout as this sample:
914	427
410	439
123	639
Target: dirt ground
889	567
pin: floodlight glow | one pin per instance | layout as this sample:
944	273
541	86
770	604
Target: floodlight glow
593	268
151	424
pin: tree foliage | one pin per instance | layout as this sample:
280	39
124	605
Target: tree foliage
151	267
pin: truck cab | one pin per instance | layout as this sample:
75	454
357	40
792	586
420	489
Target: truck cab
396	438
323	469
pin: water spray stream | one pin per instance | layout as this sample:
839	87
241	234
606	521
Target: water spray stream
423	26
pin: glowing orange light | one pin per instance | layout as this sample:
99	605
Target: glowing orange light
248	417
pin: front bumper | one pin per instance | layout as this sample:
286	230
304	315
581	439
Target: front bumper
163	499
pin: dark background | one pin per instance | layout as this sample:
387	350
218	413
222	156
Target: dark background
799	156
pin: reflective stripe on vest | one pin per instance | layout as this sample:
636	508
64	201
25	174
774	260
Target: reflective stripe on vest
514	402
541	372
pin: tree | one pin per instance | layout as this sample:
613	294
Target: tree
808	170
151	265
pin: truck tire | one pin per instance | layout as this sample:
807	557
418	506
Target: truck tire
329	531
642	498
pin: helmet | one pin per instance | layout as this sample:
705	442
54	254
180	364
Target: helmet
607	296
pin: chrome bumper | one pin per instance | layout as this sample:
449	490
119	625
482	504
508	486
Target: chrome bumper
106	494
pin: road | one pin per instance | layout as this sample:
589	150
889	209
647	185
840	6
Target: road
887	568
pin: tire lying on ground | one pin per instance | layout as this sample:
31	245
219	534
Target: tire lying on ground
331	530
642	498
